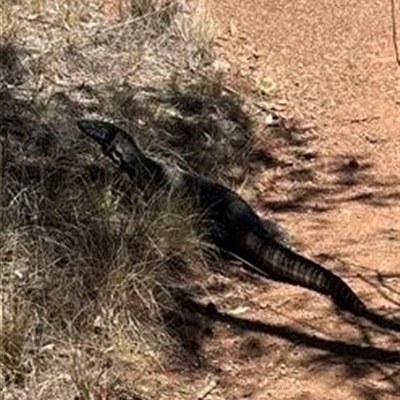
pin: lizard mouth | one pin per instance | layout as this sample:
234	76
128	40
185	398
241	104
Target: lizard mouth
102	132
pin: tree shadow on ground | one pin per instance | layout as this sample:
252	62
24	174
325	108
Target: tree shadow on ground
197	126
358	360
335	347
349	177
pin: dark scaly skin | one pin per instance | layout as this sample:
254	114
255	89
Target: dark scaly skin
229	221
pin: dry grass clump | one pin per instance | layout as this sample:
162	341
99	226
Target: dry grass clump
89	271
86	264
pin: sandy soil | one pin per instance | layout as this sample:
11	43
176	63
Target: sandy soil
336	190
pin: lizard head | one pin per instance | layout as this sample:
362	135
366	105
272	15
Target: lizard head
114	141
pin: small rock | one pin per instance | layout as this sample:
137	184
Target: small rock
272	119
372	139
353	164
309	155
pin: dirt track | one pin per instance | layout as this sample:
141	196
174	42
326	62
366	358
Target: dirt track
337	192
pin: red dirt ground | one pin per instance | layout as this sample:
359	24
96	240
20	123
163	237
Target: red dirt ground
338	194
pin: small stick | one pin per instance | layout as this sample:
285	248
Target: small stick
208	389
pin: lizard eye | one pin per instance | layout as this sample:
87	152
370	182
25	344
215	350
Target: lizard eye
116	156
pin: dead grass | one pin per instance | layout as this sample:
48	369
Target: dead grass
86	265
89	271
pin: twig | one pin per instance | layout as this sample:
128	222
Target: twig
362	119
208	389
394	32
